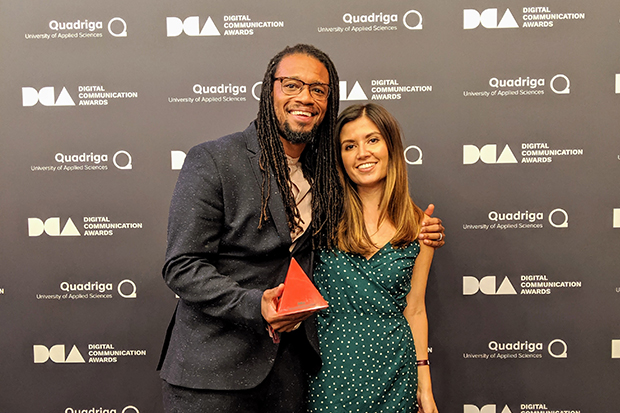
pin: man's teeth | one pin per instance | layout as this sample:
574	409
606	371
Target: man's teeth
299	112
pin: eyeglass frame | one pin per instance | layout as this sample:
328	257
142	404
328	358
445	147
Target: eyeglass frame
303	84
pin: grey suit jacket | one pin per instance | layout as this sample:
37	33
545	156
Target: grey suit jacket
219	263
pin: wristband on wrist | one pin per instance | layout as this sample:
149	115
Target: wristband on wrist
423	363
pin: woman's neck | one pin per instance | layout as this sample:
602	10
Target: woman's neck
380	233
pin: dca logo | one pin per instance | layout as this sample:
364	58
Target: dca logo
177	158
487	154
47	97
487	286
488	19
51	227
57	354
357	93
489	408
190	26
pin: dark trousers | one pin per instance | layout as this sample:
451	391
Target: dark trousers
283	391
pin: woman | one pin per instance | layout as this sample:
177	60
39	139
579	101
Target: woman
374	281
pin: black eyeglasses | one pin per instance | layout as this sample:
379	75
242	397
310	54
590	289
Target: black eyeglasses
293	87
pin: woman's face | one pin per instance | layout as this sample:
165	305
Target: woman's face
364	153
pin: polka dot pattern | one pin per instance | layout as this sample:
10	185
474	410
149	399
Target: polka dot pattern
366	343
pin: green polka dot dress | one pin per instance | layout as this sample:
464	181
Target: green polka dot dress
366	343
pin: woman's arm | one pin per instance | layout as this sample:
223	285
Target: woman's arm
415	313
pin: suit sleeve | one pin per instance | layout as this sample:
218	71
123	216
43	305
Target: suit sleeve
195	227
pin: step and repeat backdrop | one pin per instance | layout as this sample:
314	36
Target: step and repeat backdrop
510	112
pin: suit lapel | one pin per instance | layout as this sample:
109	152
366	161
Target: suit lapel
275	204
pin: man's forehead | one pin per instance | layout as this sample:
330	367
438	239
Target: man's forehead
299	65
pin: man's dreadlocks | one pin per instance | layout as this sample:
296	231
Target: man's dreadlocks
318	158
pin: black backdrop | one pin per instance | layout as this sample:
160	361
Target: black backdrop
510	111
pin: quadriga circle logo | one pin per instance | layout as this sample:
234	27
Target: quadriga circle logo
126	409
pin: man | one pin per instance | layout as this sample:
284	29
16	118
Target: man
242	207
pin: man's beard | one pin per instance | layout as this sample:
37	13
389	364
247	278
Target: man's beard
298	136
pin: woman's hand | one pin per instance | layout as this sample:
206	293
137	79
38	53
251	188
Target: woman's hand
432	232
426	402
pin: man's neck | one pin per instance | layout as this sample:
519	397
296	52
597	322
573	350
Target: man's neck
293	150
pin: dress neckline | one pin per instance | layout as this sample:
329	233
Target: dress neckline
376	252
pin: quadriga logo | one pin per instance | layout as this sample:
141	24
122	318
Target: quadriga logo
190	26
558	218
121	159
488	19
488	408
126	409
413	155
556	348
116	26
126	288
559	84
412	19
46	96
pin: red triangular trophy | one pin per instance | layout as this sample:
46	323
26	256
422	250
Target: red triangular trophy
299	294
